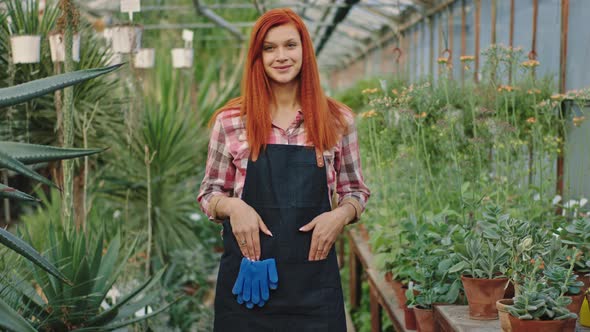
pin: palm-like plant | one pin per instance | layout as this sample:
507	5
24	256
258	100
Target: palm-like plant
74	305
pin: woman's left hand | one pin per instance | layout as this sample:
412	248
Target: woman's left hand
326	228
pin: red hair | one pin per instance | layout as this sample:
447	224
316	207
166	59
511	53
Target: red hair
324	117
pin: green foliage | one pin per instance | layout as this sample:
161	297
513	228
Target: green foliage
539	301
93	265
26	91
482	259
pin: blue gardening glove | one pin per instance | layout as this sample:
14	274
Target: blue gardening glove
254	280
239	284
273	276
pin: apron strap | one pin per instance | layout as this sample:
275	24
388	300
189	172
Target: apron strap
319	157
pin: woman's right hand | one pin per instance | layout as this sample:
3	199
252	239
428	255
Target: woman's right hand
246	223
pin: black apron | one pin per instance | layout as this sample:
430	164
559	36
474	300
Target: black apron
288	190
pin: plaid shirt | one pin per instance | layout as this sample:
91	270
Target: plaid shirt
225	172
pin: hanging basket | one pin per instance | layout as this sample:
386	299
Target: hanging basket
58	47
26	48
126	38
182	57
145	58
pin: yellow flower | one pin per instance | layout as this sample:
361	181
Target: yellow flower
578	120
465	58
442	60
530	63
395	92
368	114
531	120
558	97
506	88
369	91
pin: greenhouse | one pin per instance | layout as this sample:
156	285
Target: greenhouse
278	165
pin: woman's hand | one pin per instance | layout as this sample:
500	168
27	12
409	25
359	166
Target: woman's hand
326	228
246	223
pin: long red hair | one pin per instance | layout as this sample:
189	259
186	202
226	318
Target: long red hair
324	117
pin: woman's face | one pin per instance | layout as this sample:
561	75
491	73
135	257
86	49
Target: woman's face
282	53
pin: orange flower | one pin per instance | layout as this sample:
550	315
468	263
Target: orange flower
558	97
465	58
578	120
442	60
530	63
531	120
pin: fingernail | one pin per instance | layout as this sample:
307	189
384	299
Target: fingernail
301	228
270	233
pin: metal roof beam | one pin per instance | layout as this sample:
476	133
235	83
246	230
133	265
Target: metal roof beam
339	16
411	21
218	20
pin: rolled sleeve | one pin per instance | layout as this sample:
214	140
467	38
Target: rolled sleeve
218	180
351	187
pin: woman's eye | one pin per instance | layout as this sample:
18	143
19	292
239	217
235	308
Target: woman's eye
292	45
268	48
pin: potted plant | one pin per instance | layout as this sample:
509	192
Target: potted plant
563	279
577	234
483	266
539	307
434	285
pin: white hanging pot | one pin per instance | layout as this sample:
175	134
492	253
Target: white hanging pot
182	57
26	49
57	46
145	58
126	38
107	33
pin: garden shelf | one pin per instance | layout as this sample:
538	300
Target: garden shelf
455	318
380	293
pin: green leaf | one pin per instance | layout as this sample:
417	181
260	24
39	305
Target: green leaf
458	267
10	163
34	153
25	250
9	192
11	320
108	314
27	91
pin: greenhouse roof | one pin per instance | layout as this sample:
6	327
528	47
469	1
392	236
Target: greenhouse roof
342	30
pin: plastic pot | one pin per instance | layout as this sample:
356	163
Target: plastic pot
145	58
126	38
182	57
26	48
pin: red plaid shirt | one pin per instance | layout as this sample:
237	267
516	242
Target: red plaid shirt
227	161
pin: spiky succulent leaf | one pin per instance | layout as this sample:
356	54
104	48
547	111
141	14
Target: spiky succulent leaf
34	153
9	192
24	249
12	164
24	92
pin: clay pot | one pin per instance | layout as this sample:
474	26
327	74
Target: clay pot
410	318
585	279
400	293
575	306
519	325
425	319
482	295
503	314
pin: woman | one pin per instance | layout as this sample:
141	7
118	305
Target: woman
277	155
